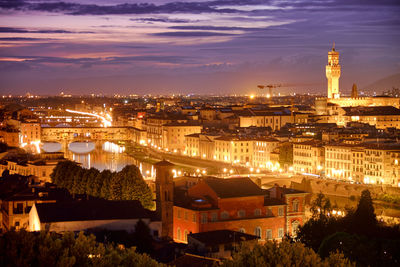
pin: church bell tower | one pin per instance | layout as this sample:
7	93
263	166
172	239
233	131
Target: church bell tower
333	73
164	197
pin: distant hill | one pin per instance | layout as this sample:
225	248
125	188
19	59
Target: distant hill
384	84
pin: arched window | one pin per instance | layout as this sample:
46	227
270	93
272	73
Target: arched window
224	215
295	205
295	226
185	235
241	213
178	234
242	230
257	232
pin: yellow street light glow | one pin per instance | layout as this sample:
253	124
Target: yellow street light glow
251	96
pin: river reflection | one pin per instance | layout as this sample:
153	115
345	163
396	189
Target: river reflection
99	157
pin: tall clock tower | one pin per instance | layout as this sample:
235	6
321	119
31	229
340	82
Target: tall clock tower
333	73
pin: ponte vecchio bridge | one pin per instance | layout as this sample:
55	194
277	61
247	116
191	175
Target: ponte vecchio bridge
66	135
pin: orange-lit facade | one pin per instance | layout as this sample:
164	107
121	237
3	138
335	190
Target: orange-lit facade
270	218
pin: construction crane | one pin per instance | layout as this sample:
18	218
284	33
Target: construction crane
270	87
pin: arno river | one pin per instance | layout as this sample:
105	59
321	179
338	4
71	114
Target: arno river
109	156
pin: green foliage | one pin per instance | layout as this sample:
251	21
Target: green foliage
358	235
321	207
354	246
282	254
395	199
142	237
128	184
50	249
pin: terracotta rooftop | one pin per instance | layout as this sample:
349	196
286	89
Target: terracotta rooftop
92	210
234	187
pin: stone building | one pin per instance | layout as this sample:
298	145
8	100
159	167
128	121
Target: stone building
236	204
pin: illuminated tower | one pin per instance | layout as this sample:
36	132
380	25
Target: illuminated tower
333	73
164	197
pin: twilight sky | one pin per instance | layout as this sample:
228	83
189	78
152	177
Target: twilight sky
195	46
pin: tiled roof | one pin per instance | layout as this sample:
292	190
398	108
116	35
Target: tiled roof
273	202
92	210
371	111
234	187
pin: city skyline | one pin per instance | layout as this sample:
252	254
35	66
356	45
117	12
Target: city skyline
202	47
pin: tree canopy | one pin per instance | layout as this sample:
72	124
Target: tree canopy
50	249
283	254
358	235
128	184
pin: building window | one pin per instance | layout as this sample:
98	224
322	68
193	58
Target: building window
242	230
280	211
269	212
257	232
204	218
241	213
214	217
295	205
280	233
257	212
194	217
185	234
186	215
224	215
295	226
269	234
179	213
178	233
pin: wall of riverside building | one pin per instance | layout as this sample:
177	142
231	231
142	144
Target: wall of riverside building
342	189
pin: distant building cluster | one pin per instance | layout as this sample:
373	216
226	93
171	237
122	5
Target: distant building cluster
352	139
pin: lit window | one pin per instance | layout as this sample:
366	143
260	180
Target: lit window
269	234
295	226
295	205
280	233
214	217
257	232
241	213
280	211
204	218
224	215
